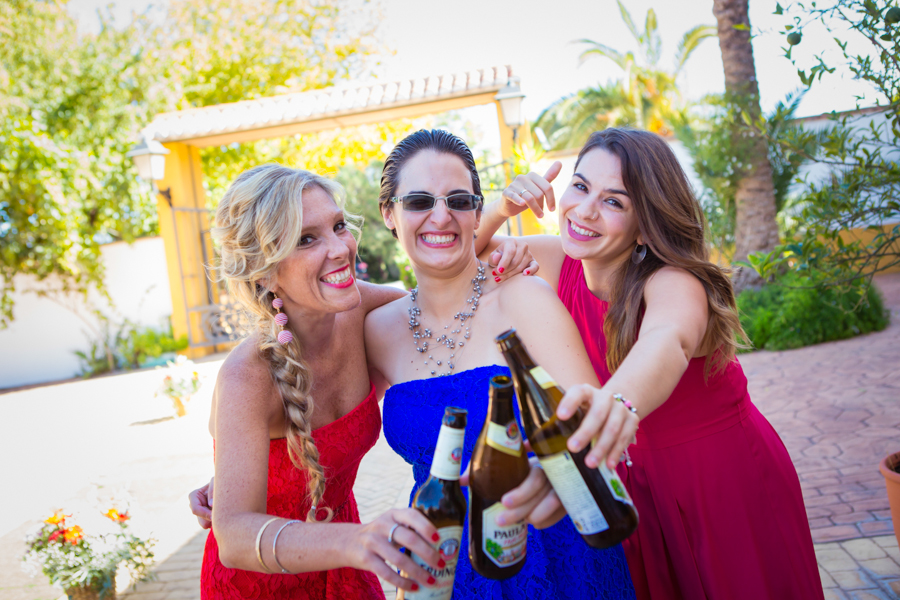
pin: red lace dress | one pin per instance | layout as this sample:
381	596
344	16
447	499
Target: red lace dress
720	507
341	445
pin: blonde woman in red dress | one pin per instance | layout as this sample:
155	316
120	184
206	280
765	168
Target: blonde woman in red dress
721	512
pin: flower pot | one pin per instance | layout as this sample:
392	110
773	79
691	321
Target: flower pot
101	590
890	468
180	405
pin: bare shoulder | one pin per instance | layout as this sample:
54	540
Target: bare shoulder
548	252
375	295
244	383
524	292
381	321
671	283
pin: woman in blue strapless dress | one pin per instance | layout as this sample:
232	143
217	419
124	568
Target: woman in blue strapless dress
559	563
436	348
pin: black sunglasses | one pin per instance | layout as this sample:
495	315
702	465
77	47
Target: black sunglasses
426	202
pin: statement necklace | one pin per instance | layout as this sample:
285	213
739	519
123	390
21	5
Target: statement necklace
444	339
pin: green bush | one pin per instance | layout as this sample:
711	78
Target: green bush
126	345
793	313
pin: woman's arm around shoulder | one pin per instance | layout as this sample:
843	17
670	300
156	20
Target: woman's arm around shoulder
375	295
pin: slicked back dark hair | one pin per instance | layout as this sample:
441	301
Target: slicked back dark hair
437	140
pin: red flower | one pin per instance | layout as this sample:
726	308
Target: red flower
55	535
115	515
73	534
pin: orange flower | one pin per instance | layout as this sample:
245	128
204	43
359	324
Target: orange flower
114	515
73	534
58	518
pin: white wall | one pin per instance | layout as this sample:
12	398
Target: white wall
39	345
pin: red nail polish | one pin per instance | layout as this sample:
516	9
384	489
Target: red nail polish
494	273
435	537
431	580
527	272
415	587
497	279
501	270
441	564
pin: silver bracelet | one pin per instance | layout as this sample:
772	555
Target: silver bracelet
275	541
259	544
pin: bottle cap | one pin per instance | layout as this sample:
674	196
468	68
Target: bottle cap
507	340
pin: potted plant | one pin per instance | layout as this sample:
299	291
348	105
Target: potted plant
83	561
890	468
180	383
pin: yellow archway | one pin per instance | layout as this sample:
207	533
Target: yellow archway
199	310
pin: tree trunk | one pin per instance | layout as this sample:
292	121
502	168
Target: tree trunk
756	229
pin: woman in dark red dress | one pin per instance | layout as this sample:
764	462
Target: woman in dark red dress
721	512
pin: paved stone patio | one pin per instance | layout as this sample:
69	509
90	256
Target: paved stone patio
835	405
837	408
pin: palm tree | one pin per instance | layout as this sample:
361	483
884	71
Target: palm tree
756	229
650	90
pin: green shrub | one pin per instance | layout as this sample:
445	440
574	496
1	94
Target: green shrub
126	345
793	313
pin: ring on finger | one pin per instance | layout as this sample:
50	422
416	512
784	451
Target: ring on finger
391	533
523	192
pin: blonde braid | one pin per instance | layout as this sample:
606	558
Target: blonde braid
258	224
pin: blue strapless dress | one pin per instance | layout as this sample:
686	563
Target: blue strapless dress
560	564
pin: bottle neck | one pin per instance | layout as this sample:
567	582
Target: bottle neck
448	454
517	355
500	407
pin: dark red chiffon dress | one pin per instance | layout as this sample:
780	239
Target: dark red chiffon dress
721	512
341	445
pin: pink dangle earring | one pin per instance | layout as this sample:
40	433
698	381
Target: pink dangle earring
284	336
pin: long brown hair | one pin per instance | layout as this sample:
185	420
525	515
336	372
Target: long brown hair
672	225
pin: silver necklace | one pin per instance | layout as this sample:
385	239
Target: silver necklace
452	344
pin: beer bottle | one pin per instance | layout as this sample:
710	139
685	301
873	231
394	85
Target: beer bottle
499	464
441	500
596	499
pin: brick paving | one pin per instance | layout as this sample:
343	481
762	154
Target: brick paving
837	408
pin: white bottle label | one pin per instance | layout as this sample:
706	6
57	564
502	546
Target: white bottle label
615	485
448	546
543	378
504	545
506	438
573	492
448	453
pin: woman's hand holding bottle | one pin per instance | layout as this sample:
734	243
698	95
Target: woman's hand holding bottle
610	423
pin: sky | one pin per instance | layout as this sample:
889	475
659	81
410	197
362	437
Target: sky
536	38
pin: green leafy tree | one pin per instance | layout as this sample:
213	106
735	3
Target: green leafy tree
71	106
851	220
647	95
68	108
718	162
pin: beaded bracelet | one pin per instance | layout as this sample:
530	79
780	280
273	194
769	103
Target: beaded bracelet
259	544
627	404
275	541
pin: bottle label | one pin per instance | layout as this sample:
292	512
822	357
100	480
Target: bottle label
448	546
615	485
448	453
504	545
573	492
506	438
543	378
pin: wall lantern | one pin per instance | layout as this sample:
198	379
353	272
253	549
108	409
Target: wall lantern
510	99
149	157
